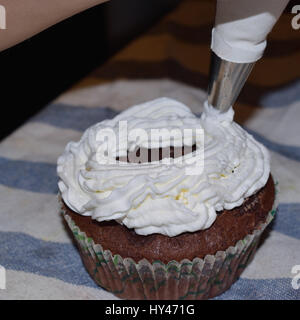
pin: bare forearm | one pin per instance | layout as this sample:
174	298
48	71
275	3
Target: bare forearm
25	18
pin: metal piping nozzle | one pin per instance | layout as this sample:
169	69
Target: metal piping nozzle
226	80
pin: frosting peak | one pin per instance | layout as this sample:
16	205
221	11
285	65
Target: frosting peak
212	114
160	196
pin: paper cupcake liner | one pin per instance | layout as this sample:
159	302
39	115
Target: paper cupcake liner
196	280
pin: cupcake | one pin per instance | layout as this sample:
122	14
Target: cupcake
166	205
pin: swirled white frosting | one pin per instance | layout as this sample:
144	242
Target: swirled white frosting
159	197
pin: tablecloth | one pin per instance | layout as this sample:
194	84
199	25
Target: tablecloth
172	60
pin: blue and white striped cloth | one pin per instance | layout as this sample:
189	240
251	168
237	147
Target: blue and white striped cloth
40	260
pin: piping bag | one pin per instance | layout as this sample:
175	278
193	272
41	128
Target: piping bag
238	41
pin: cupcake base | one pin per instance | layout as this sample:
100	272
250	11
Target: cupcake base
195	279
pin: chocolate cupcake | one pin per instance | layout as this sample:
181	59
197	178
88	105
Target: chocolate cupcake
166	205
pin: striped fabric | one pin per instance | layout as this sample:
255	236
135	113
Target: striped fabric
170	60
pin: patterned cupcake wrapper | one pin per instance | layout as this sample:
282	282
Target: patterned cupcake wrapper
196	280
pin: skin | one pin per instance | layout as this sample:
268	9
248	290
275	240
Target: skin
25	18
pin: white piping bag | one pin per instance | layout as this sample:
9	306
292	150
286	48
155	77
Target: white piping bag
238	41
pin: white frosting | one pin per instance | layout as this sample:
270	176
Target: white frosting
159	197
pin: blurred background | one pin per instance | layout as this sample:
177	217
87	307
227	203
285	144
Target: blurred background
36	71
